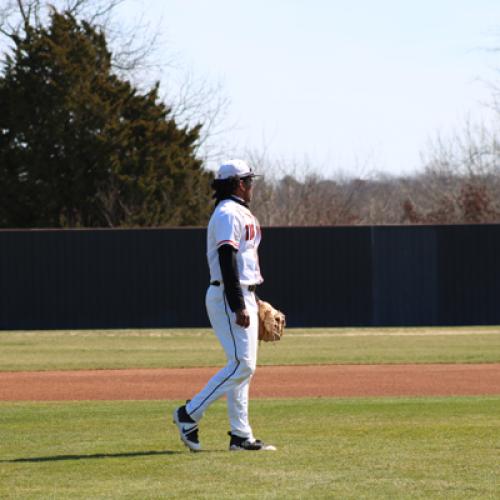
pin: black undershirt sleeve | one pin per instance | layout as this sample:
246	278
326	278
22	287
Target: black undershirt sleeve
230	277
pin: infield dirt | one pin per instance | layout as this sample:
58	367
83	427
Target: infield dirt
269	382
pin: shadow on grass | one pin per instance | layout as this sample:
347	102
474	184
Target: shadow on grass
56	458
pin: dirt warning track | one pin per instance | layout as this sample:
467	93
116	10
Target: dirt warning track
269	382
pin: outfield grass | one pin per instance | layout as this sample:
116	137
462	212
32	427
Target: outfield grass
328	448
360	448
94	349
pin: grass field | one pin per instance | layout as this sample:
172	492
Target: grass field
366	448
70	350
327	448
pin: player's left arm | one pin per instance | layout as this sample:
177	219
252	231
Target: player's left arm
232	287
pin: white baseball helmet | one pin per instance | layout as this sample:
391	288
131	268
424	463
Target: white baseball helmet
235	168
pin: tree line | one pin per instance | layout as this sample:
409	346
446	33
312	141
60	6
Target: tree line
442	193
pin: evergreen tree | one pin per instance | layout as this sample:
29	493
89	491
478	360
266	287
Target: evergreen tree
80	147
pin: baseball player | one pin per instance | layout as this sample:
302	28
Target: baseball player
233	238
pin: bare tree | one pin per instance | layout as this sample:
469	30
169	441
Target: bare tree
293	194
17	15
460	182
195	99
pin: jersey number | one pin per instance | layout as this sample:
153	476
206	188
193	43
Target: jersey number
249	232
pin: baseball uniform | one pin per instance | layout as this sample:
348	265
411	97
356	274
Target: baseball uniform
232	224
233	238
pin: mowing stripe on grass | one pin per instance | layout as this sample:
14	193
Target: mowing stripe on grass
121	349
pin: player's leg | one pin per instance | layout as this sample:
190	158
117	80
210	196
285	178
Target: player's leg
240	349
237	397
237	410
186	417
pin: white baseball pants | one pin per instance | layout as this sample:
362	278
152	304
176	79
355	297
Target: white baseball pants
240	346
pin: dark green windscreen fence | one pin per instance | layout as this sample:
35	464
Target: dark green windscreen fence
320	276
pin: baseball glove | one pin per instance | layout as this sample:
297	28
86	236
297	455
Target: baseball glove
271	322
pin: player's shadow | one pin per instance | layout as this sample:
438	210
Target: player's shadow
56	458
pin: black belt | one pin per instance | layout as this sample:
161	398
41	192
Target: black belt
251	288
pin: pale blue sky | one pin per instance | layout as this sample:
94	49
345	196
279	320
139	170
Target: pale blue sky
350	85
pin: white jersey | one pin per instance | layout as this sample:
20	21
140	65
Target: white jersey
233	224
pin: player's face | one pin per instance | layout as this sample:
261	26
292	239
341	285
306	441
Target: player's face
247	189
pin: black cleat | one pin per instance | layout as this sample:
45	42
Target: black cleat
188	428
244	444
